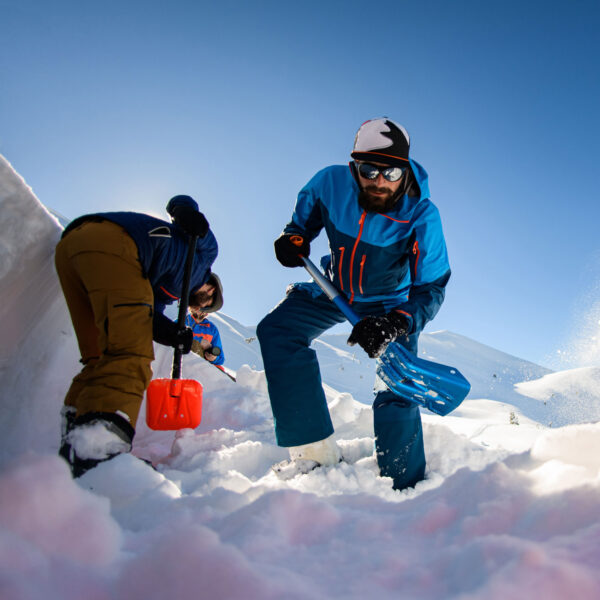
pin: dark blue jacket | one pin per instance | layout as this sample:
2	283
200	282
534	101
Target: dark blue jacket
395	260
162	249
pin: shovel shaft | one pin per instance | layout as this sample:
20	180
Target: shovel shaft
437	387
330	290
184	303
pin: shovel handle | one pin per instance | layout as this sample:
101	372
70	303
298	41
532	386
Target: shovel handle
332	293
297	240
184	303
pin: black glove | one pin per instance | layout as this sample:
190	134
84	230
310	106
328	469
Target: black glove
287	252
167	333
373	334
184	340
192	221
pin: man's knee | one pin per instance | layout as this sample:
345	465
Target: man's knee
271	326
262	329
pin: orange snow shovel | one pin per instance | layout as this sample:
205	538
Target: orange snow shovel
176	403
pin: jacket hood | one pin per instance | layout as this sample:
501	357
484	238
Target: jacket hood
421	177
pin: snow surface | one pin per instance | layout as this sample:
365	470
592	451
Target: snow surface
510	508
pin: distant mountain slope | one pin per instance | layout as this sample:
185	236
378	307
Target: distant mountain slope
565	397
239	342
493	374
554	399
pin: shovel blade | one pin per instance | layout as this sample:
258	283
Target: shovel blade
173	404
437	387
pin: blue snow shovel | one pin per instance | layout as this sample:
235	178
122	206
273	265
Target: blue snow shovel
437	387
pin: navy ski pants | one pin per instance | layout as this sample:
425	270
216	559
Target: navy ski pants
297	398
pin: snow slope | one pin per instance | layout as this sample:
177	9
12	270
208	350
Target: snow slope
510	508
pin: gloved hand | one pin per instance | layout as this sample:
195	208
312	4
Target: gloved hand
184	339
197	348
212	353
374	334
167	333
192	221
287	251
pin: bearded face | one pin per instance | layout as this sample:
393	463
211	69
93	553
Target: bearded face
379	189
202	297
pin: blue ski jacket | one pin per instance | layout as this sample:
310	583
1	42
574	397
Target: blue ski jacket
395	260
162	249
208	331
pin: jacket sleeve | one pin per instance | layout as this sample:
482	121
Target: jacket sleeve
306	218
216	341
164	331
429	267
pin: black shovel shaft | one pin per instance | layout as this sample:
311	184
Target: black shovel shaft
183	304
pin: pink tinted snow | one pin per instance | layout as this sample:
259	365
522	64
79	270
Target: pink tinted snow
42	505
187	560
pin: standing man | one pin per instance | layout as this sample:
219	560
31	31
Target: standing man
388	255
118	270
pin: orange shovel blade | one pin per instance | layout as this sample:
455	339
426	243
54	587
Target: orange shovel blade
173	404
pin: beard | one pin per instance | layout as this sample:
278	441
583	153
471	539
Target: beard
200	299
379	204
198	315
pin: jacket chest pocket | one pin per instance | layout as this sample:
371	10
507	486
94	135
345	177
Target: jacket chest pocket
382	270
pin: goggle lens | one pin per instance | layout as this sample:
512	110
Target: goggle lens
369	171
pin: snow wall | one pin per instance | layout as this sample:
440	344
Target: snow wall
36	339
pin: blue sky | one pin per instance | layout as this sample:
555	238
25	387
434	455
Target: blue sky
121	105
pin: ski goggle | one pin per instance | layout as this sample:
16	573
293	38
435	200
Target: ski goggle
369	171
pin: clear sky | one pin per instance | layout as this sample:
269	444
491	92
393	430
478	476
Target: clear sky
119	105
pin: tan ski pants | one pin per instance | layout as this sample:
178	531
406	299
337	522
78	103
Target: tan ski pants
111	307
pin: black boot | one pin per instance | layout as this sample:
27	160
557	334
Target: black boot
67	419
82	452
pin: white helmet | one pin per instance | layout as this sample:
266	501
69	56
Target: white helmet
382	140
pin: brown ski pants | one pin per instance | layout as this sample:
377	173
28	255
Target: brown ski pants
111	307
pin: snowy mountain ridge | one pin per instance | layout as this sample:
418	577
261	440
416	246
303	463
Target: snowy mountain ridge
554	399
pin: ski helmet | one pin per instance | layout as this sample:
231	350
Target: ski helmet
382	140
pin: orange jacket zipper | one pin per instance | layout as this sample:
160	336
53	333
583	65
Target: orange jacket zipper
362	266
361	222
342	249
417	254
